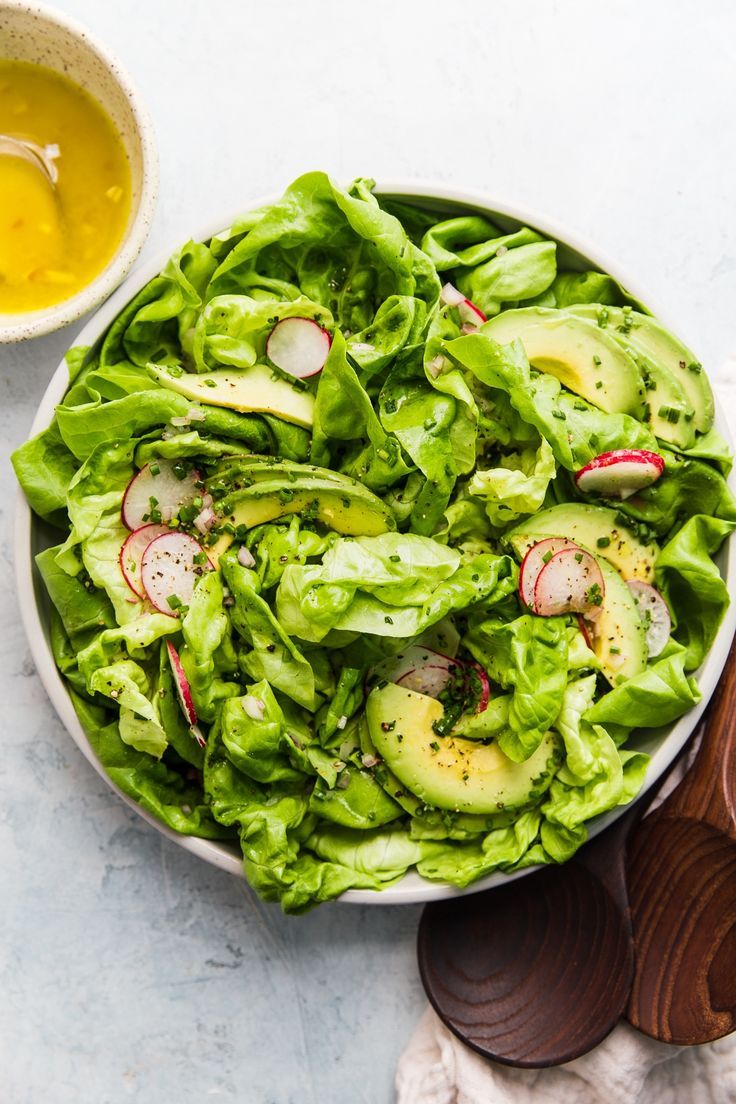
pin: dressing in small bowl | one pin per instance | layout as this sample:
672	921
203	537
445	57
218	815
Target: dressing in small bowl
69	235
56	235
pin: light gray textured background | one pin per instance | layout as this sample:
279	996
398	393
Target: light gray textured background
128	970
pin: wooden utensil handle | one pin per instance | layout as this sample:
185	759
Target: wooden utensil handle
708	791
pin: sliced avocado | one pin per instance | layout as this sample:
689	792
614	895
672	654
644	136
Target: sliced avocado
647	335
595	527
346	507
582	356
386	778
619	637
669	412
242	470
256	390
449	771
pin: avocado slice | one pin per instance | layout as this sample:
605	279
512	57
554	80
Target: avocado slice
386	778
346	507
242	470
583	357
619	636
450	772
670	415
594	527
646	335
255	390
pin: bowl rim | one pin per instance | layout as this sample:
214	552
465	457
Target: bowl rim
31	324
412	888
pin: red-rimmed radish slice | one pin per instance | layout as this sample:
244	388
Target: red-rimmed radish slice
571	582
654	614
485	686
184	694
586	631
131	555
429	680
157	487
411	659
537	556
298	346
170	568
471	316
620	473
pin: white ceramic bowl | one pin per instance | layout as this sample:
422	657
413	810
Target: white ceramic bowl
31	536
32	32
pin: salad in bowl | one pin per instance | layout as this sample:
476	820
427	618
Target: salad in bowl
382	533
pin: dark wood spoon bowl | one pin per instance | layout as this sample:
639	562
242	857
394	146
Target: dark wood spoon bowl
537	972
682	889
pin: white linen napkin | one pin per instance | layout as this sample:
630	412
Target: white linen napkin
626	1068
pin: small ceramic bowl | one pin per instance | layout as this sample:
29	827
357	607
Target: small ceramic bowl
32	32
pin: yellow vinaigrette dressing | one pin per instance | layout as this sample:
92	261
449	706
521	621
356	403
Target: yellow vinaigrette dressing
53	242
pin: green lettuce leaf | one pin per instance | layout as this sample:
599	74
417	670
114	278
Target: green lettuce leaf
517	486
394	585
45	467
520	273
530	657
344	420
692	584
273	655
656	697
158	789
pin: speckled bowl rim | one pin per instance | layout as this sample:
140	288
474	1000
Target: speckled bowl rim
412	888
37	323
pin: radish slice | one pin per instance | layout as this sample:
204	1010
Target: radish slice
428	672
184	694
585	631
485	687
571	582
131	555
620	473
298	346
450	296
157	490
411	659
427	680
471	316
537	556
170	569
654	613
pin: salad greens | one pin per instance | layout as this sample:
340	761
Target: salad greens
345	579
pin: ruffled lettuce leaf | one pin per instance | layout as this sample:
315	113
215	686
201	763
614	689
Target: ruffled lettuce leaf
508	277
528	656
394	585
347	433
692	584
434	430
272	655
516	486
208	657
467	241
45	467
163	792
655	697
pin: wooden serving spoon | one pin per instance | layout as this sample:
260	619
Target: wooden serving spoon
537	972
682	889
